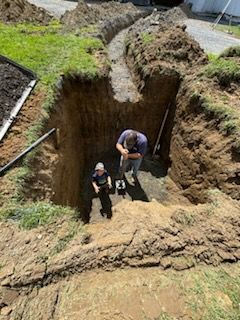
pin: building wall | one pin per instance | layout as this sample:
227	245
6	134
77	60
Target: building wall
216	6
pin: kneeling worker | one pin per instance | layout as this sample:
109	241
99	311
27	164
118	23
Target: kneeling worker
132	145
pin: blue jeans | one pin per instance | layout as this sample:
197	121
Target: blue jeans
133	163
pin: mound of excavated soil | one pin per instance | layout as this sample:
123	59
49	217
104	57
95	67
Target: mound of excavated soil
140	234
12	84
152	43
85	14
22	11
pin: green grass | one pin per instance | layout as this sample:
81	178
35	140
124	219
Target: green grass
214	295
48	51
73	229
147	38
32	215
226	71
231	52
235	30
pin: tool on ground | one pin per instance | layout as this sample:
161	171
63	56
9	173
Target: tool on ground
120	183
157	144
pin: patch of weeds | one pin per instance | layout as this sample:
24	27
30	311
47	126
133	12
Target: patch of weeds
40	213
33	215
164	316
42	258
229	120
18	178
184	217
92	28
231	51
214	295
74	228
147	37
226	71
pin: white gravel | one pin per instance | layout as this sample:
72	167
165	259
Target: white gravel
55	7
212	41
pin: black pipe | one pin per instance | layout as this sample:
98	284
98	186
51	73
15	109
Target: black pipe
21	155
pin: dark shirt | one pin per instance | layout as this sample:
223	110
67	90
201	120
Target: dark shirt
140	145
100	180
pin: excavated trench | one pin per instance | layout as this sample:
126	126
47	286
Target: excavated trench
90	114
90	121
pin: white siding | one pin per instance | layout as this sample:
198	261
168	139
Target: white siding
216	6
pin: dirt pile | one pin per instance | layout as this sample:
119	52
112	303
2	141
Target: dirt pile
140	234
12	84
152	45
22	11
86	14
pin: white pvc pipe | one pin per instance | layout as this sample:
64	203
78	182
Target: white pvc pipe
16	109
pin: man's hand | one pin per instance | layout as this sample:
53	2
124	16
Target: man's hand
125	154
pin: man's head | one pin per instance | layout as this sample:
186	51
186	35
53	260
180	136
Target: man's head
99	168
130	140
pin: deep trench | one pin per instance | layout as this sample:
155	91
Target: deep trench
90	121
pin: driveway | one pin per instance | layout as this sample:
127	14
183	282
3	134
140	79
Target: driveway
56	7
212	41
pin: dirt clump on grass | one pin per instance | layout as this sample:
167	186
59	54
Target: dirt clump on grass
85	14
12	11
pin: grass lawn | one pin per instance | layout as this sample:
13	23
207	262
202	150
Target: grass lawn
234	30
49	51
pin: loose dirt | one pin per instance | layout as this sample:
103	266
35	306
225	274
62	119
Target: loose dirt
12	84
12	11
86	14
15	140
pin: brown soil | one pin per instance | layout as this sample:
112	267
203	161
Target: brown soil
85	14
12	84
22	11
15	140
139	235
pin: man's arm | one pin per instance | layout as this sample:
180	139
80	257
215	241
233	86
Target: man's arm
123	151
95	187
135	156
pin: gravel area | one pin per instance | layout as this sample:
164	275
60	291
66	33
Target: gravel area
212	41
56	7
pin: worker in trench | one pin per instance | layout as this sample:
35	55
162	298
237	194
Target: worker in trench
102	183
133	146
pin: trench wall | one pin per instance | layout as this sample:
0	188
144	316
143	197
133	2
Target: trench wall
201	156
90	121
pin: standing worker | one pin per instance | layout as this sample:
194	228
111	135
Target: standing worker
132	145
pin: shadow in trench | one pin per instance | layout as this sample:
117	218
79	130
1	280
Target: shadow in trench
144	189
136	191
